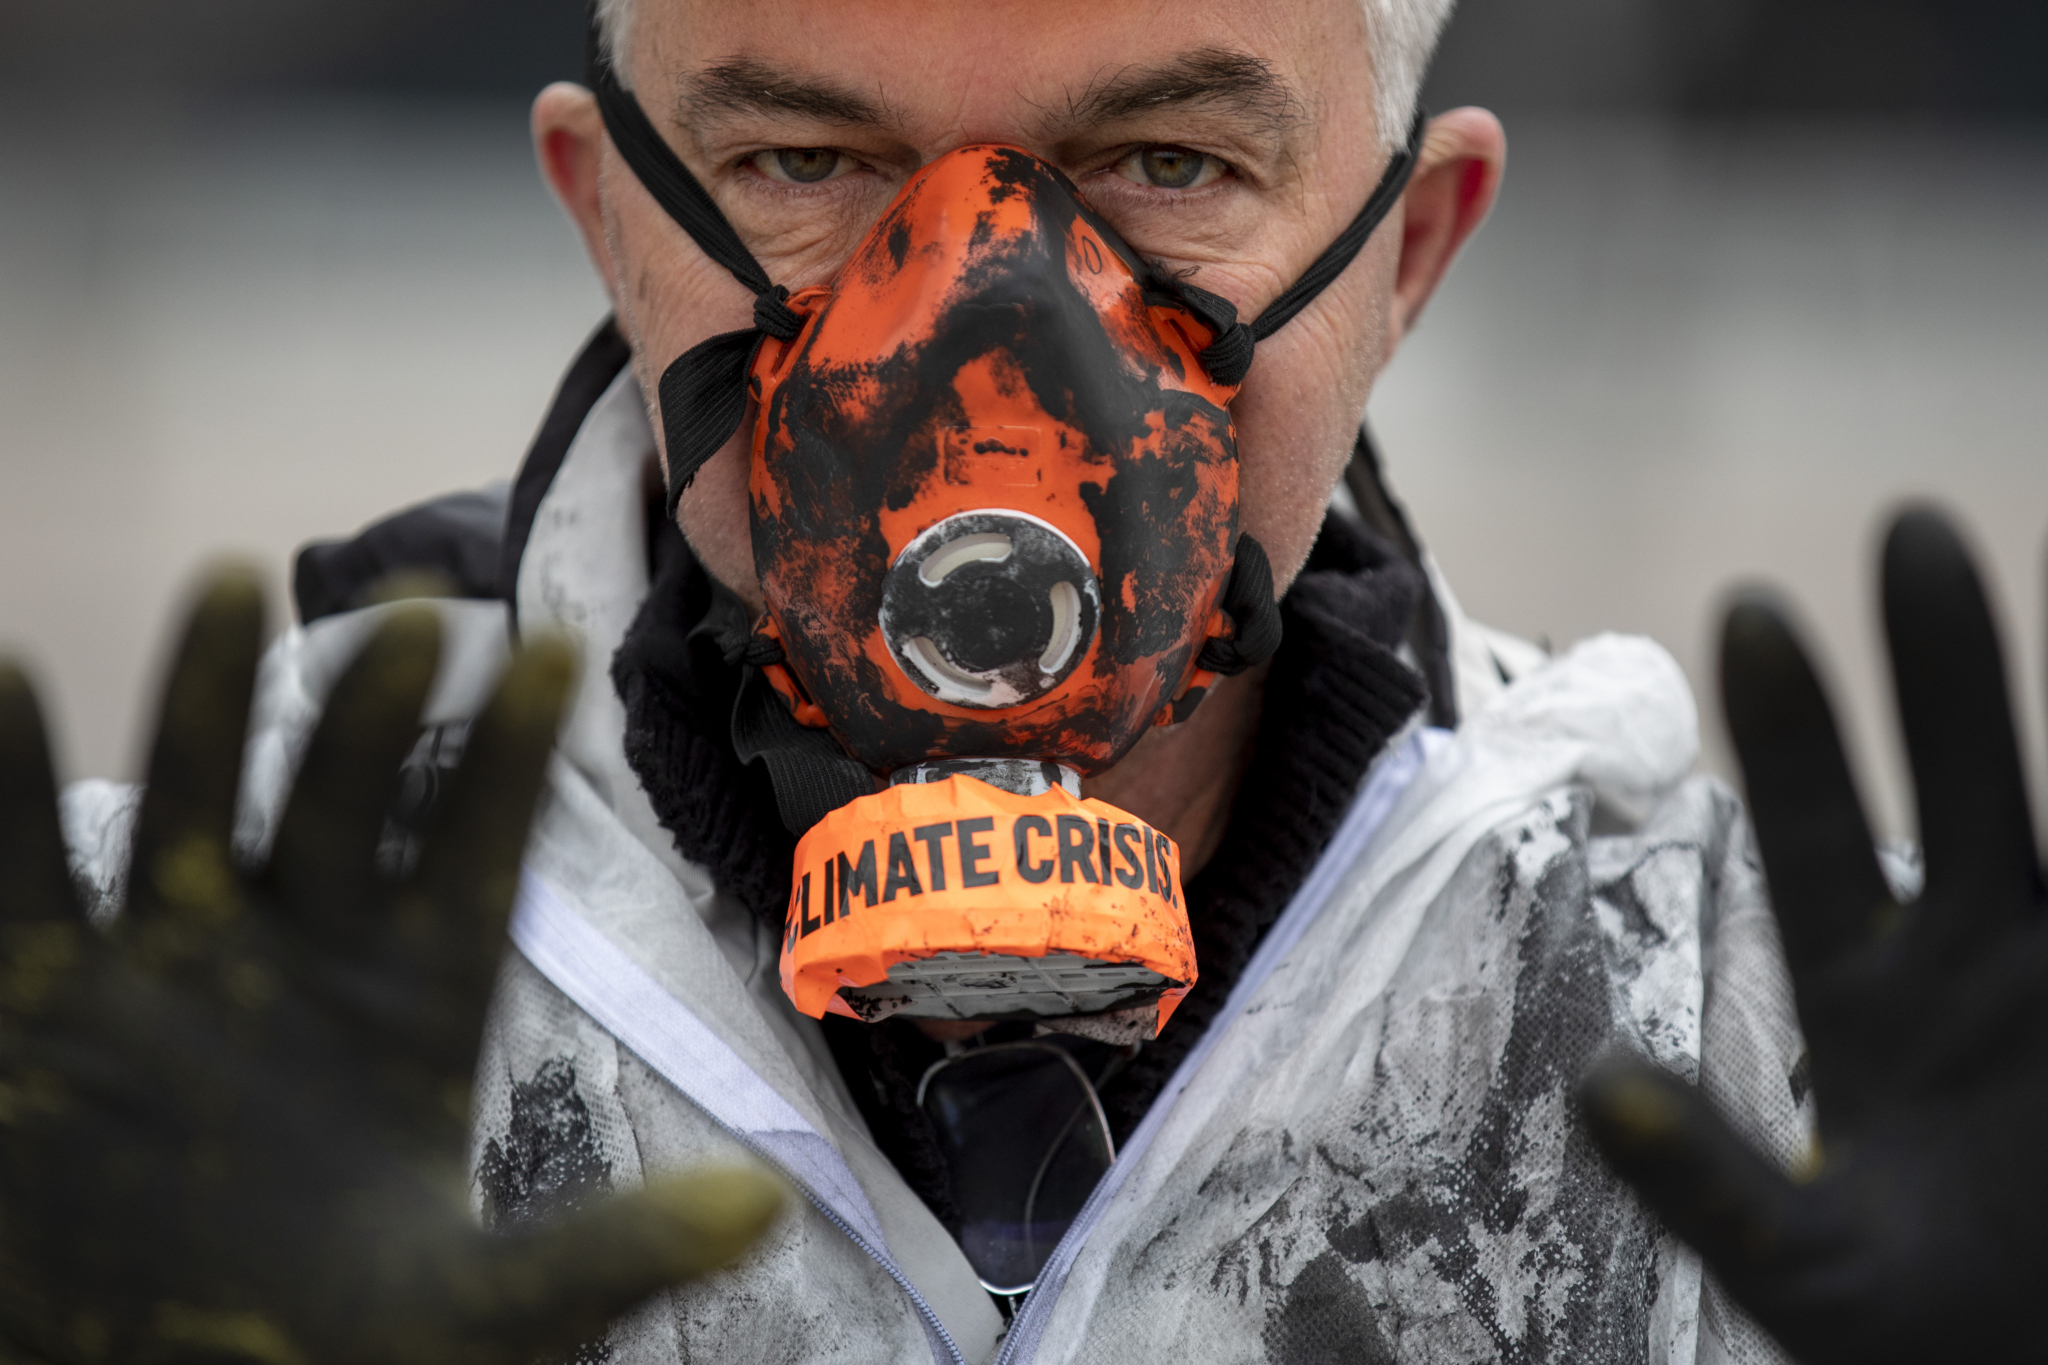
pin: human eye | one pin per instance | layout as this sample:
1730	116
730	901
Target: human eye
1166	167
801	165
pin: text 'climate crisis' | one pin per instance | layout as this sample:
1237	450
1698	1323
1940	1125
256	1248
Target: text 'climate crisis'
968	854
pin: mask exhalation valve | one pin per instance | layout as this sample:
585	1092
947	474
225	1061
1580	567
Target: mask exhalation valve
989	609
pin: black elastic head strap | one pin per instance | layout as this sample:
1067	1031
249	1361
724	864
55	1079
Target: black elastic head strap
704	393
1229	357
668	179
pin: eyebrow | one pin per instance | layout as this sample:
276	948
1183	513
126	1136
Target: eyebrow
743	86
1236	84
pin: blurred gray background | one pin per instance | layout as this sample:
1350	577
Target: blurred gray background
1759	272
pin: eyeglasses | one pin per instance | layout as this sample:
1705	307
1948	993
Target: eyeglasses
1025	1142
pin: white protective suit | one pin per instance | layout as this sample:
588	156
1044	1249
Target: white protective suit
1372	1155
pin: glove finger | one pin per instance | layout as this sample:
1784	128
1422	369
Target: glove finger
550	1290
35	878
1826	887
180	875
468	872
324	862
1745	1218
1975	829
42	931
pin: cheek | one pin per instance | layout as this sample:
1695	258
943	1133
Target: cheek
1297	416
669	298
802	246
716	518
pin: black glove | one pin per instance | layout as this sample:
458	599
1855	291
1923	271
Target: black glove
233	1127
1919	1232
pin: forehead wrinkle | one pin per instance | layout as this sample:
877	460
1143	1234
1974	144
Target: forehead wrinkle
741	86
1237	84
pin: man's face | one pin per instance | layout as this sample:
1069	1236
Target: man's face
1231	141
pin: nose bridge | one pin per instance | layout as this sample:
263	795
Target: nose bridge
990	109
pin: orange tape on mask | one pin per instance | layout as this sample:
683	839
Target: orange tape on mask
897	881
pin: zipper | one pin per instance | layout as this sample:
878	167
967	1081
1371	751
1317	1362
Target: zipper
934	1330
1383	788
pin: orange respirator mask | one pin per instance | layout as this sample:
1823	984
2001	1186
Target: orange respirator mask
994	511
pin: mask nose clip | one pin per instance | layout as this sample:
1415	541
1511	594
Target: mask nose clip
990	609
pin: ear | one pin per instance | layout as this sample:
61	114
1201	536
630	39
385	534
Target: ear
568	140
1455	180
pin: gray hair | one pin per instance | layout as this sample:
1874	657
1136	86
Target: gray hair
1403	34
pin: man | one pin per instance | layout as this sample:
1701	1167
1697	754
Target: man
1430	873
1410	1183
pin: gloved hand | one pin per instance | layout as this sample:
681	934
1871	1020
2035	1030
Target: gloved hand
233	1127
1919	1230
